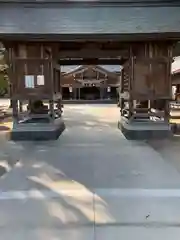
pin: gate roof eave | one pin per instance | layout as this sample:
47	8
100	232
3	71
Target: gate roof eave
124	23
131	37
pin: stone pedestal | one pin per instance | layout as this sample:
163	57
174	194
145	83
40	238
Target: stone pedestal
144	130
37	129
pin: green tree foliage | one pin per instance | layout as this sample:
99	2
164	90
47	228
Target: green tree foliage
3	75
3	84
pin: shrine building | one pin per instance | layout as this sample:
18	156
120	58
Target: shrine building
90	82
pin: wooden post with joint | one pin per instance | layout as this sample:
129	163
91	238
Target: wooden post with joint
59	102
55	59
8	59
23	53
131	79
52	76
121	90
169	83
12	75
20	106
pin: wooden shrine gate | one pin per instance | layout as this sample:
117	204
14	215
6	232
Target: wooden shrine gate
40	39
146	91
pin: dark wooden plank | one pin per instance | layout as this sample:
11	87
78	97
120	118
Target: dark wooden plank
94	53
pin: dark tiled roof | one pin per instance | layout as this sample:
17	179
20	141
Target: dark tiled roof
94	2
92	20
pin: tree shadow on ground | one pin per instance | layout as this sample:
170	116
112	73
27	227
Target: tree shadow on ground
3	170
55	209
63	211
5	118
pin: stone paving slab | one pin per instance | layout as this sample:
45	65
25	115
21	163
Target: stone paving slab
40	233
141	233
146	207
46	209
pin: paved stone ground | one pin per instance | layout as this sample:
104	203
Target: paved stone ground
90	184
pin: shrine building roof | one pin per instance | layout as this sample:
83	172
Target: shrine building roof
109	68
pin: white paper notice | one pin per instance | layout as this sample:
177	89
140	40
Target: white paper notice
40	80
29	81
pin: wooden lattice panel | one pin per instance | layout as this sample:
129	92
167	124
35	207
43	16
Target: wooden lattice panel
33	71
161	78
151	79
126	76
142	85
32	78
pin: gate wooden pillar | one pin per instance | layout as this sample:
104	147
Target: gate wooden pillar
34	79
146	91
